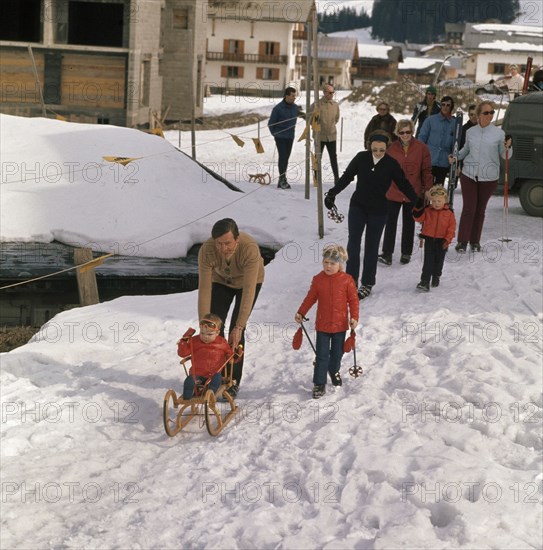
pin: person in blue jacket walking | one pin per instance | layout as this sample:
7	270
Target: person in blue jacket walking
438	133
282	123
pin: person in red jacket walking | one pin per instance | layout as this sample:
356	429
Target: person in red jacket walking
208	352
337	311
438	227
414	158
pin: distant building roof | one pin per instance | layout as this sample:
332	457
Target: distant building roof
504	45
495	36
418	64
335	47
259	10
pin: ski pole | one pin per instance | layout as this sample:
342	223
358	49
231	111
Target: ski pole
307	335
355	371
505	222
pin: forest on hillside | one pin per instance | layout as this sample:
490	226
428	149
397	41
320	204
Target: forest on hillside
421	21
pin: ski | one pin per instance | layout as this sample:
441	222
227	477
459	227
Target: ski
527	74
453	177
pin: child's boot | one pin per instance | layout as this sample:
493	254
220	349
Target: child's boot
336	379
319	390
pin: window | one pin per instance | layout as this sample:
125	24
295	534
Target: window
497	68
269	48
95	24
20	20
266	73
233	46
145	82
231	72
180	19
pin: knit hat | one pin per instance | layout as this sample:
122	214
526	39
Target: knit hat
378	137
431	90
334	253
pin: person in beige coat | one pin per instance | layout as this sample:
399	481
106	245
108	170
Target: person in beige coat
230	270
327	110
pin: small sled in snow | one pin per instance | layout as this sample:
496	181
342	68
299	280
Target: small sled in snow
178	412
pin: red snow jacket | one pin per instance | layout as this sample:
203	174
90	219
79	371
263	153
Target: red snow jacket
206	358
337	301
438	224
416	163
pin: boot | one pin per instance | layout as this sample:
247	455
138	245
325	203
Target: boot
385	259
283	183
435	281
319	390
424	286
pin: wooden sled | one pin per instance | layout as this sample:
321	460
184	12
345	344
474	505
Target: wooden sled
204	403
263	179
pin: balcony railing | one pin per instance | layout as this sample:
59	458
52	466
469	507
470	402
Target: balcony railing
247	58
299	35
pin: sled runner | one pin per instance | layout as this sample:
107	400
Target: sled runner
178	412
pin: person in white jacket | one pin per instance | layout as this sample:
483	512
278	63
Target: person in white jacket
485	143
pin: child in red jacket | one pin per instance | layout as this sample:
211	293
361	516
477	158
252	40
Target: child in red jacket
337	310
438	227
208	352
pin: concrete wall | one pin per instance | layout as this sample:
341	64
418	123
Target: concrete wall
144	81
182	72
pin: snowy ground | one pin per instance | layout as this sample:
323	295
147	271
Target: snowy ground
438	445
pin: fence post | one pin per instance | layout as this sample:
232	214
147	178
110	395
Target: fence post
86	278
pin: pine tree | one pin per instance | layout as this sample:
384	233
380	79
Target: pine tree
344	19
423	21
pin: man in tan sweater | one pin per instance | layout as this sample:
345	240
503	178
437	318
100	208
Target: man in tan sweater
328	116
230	269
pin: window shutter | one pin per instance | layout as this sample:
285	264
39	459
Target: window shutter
275	74
259	73
241	46
276	48
240	72
226	46
490	69
224	71
262	48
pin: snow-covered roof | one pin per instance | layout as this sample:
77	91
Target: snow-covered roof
525	30
418	63
336	47
504	45
374	51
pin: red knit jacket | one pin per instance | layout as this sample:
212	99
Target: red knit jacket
438	224
417	166
337	301
206	359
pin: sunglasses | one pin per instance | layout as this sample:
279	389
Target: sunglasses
209	324
378	150
446	104
405	132
487	112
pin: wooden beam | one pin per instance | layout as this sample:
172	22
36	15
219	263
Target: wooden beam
86	281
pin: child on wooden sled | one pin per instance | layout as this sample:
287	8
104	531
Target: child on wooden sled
208	352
